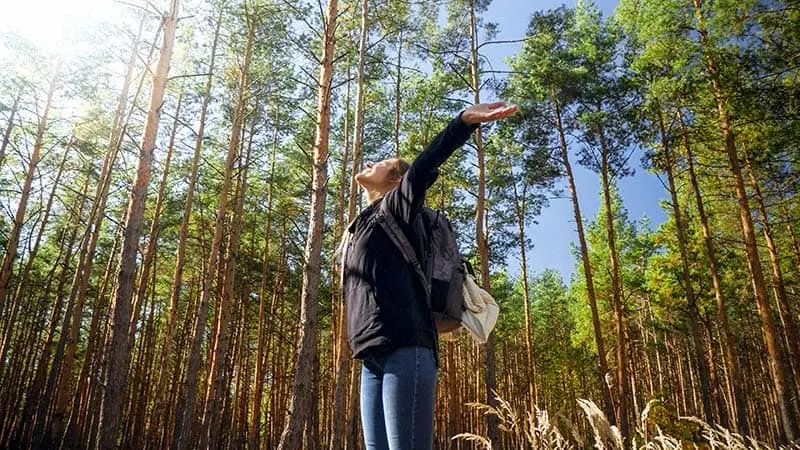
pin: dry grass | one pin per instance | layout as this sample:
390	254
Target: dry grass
658	429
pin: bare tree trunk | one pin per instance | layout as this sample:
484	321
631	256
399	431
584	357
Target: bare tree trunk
68	342
186	403
217	379
342	357
777	365
118	352
481	231
150	252
5	339
273	339
35	392
779	287
9	128
617	299
358	122
37	400
530	367
148	262
587	267
693	311
303	389
89	369
729	350
169	362
7	265
397	93
795	245
261	350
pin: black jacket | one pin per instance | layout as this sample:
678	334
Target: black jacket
386	303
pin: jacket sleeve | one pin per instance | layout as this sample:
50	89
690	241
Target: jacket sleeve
406	199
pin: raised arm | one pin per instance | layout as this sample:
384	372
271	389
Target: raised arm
406	200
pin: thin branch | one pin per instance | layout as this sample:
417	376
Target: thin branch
512	41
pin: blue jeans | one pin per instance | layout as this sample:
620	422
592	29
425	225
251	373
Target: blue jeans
397	396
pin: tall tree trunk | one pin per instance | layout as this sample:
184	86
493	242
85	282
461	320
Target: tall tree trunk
24	333
692	310
186	404
87	378
261	350
530	367
5	338
118	352
341	355
150	251
795	245
303	390
273	339
777	365
170	362
729	350
10	256
779	287
358	122
9	128
481	231
397	93
35	389
217	379
148	263
68	341
591	297
616	290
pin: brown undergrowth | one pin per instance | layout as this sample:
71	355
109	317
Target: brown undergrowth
659	428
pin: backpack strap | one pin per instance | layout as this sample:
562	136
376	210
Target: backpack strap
399	239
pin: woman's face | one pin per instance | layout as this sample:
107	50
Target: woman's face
377	176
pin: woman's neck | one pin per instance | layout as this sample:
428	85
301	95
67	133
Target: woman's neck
374	196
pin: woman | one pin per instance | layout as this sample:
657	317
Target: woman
390	326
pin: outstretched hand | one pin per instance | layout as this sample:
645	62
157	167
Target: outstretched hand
487	112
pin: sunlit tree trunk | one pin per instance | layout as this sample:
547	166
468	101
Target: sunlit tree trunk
779	287
64	358
9	127
216	379
530	366
170	362
264	321
87	380
150	251
303	389
358	121
34	390
693	311
481	231
186	403
118	352
587	266
623	382
5	338
777	365
397	94
341	355
12	242
729	350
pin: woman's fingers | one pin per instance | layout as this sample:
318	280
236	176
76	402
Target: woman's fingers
503	113
495	105
486	112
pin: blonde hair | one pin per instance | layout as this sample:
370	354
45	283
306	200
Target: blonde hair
399	168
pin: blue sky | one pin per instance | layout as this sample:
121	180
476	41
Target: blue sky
46	23
555	231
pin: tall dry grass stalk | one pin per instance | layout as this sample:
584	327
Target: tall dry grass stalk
658	429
